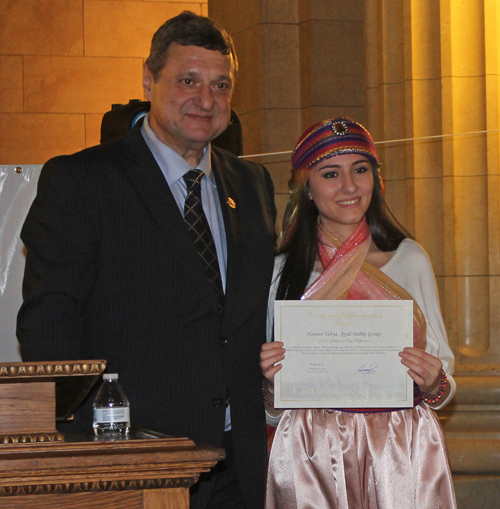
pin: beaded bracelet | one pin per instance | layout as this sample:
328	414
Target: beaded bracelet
434	398
266	397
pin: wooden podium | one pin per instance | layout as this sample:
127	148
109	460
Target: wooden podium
41	468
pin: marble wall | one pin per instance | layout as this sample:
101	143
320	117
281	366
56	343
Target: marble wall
301	61
64	62
432	71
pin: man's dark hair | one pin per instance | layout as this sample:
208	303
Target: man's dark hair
189	29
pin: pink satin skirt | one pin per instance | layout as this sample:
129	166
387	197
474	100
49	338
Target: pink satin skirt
328	459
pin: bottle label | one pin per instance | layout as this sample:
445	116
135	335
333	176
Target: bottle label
114	414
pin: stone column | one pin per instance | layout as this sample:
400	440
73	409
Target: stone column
432	70
428	74
301	61
267	95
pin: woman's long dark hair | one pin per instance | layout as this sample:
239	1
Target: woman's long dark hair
300	242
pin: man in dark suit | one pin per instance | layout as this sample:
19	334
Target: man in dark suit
118	269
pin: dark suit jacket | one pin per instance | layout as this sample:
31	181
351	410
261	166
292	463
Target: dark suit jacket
112	273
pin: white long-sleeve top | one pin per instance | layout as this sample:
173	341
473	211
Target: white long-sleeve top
410	268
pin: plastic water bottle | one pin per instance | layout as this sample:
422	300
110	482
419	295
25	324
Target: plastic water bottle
111	409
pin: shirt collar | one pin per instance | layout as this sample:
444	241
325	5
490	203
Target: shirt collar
171	163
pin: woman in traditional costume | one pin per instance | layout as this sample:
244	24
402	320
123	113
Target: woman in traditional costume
341	243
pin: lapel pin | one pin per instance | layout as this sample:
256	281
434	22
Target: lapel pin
231	203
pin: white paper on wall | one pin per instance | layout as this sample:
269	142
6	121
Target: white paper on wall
17	191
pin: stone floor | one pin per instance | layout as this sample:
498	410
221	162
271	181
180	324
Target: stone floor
477	492
471	424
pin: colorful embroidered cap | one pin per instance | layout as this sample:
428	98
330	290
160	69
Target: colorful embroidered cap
334	136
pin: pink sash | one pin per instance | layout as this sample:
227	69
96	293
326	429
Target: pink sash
347	275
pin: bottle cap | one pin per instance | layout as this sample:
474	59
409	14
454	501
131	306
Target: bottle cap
110	376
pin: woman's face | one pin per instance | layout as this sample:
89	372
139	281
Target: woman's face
341	188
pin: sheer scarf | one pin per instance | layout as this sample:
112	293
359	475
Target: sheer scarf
347	275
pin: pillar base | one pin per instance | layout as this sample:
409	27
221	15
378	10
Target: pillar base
471	425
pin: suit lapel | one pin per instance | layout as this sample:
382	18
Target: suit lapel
147	178
230	200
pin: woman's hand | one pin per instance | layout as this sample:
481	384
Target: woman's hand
423	368
270	354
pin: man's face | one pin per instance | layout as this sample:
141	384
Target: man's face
190	102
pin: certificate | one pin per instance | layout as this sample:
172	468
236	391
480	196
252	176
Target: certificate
343	353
